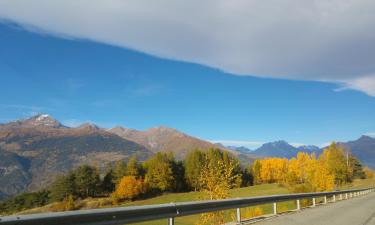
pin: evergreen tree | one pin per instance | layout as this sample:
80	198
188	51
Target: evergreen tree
356	168
87	181
108	183
63	186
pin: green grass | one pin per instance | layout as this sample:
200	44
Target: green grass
259	190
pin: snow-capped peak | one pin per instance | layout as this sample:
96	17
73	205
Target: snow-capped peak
43	117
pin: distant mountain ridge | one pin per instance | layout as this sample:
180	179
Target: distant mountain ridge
363	148
163	139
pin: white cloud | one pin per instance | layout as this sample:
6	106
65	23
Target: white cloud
248	144
324	40
20	110
371	134
296	144
74	122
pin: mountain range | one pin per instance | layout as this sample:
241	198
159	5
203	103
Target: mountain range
34	151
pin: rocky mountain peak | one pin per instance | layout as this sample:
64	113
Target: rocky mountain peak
38	120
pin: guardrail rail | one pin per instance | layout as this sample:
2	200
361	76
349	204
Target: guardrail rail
126	215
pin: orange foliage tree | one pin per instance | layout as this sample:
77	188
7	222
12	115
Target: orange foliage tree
130	187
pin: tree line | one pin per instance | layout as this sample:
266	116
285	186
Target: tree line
133	179
212	172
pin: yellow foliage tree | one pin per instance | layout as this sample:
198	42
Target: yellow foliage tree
334	158
302	174
217	177
270	170
129	188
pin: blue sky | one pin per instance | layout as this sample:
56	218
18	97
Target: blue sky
77	80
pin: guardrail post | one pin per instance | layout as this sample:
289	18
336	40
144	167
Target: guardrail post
275	208
314	203
171	221
325	199
238	215
340	196
346	195
298	204
334	198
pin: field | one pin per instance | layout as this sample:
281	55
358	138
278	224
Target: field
258	190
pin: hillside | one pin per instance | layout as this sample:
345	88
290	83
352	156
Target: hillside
35	150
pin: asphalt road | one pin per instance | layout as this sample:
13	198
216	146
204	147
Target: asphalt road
355	211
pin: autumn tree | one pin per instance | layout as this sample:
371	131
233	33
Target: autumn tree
270	170
130	187
334	158
369	173
218	176
256	169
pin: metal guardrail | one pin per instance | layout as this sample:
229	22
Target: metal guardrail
125	215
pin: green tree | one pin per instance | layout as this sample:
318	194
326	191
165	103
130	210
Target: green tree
108	183
356	168
87	181
159	173
193	167
119	171
63	186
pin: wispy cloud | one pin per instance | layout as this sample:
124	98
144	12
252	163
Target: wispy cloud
77	122
19	110
148	89
72	84
105	103
319	40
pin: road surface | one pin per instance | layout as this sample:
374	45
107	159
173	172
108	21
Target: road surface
355	211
